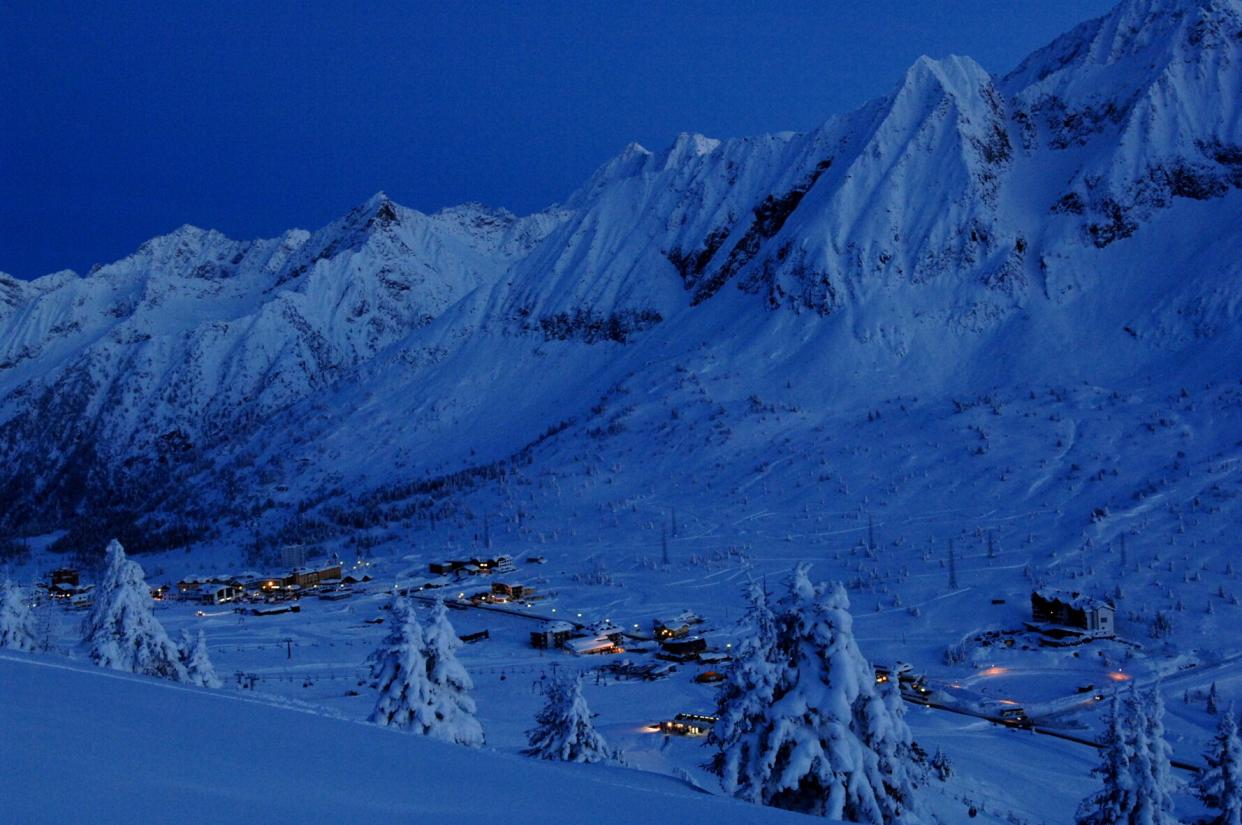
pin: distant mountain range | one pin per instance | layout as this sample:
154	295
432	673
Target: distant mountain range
1076	220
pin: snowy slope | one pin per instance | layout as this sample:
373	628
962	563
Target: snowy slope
964	236
189	755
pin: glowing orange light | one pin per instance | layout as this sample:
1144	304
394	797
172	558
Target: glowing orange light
995	670
1118	676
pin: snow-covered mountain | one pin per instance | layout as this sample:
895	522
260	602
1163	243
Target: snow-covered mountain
1074	221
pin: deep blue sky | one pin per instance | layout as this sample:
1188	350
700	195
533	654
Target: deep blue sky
120	121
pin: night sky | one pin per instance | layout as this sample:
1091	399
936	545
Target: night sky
120	121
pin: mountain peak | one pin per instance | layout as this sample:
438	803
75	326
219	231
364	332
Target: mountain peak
688	145
377	200
954	75
377	211
1130	45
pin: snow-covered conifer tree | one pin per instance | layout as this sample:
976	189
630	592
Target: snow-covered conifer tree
198	667
743	701
121	632
1156	783
17	625
452	708
563	728
399	668
881	724
1136	764
1114	803
1219	786
814	756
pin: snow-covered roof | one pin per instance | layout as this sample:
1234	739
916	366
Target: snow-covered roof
558	627
588	644
1074	599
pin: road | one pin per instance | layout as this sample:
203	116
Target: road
1035	729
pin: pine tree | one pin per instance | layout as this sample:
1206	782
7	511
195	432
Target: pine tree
941	766
399	670
1213	706
1158	795
17	624
1136	763
198	667
563	727
452	708
1114	803
743	701
882	727
812	750
121	631
1219	785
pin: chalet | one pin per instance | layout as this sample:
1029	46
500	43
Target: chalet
674	627
64	590
665	629
688	724
471	638
221	593
494	564
471	566
1074	610
682	650
188	588
65	575
551	635
312	577
606	629
593	645
502	592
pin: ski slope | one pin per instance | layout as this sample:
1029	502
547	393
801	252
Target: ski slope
108	748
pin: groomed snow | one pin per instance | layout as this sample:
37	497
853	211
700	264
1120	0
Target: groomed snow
103	747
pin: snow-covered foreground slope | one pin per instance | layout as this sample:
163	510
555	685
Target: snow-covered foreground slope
113	747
